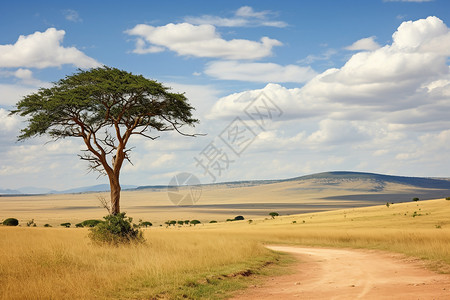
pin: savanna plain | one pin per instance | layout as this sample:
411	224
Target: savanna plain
209	260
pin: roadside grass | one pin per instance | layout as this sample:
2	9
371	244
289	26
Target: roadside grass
208	261
53	263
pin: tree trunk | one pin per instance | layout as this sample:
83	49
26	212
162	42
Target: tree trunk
115	194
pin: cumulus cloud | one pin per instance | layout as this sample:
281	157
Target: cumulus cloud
385	97
8	123
364	44
245	16
43	50
259	72
200	41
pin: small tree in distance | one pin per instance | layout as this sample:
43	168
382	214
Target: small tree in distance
104	107
274	214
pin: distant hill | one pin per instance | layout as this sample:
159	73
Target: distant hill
378	183
420	182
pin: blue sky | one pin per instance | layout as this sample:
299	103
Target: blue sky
359	85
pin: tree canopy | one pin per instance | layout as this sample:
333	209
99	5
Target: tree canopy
105	107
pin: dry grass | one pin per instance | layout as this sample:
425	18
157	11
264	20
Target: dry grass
52	263
49	263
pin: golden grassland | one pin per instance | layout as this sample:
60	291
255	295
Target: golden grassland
177	262
217	202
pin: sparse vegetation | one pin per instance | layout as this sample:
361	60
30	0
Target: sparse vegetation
11	222
47	225
31	223
145	224
213	221
415	199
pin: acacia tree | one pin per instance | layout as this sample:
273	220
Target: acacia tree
105	107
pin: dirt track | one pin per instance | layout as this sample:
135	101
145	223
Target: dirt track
351	274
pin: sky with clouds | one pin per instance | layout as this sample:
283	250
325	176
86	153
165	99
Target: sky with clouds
282	89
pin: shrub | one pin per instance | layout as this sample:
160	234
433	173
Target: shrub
230	220
250	221
146	224
173	222
115	230
11	222
239	218
31	223
213	221
448	198
67	225
180	222
195	222
274	214
91	223
47	225
387	204
415	199
79	225
186	222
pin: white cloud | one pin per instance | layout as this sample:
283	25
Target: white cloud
312	57
364	44
8	123
12	93
385	96
245	16
72	15
200	41
258	72
43	50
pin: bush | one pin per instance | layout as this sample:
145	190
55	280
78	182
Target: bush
239	218
47	225
448	198
115	230
90	223
415	199
146	224
67	225
195	222
11	222
79	225
213	221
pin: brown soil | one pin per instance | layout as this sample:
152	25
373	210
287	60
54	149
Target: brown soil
351	274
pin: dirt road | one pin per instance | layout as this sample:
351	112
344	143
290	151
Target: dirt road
351	274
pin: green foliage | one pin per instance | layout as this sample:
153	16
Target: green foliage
387	204
47	225
415	199
180	222
213	221
79	225
294	222
230	220
195	222
67	225
145	224
91	223
239	218
102	97
186	222
115	230
172	222
11	222
274	214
